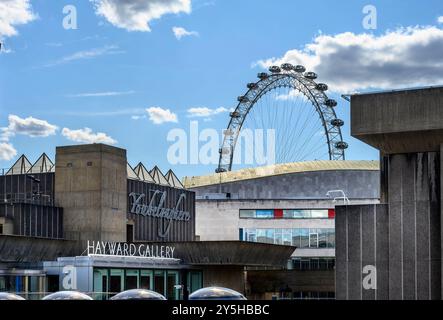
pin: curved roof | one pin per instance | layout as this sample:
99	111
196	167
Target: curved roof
279	169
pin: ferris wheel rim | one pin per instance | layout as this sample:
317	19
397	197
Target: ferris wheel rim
296	79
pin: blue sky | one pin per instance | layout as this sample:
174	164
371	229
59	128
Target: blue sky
107	72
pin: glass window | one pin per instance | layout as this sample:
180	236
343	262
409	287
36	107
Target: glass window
270	236
173	293
296	263
132	279
247	213
251	235
159	282
314	264
323	264
265	214
319	214
305	264
296	234
313	238
287	237
288	214
146	279
331	238
304	238
195	281
261	235
278	236
300	214
323	238
116	281
100	283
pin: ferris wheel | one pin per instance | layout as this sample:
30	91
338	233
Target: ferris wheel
288	101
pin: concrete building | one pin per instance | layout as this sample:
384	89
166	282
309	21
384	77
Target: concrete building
290	204
393	250
91	222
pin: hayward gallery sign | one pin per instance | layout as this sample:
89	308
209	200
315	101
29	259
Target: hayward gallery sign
103	248
155	209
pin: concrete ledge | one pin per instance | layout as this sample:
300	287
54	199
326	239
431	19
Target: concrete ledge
399	121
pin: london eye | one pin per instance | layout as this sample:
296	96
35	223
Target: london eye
288	102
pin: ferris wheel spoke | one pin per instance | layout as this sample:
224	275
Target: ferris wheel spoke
290	102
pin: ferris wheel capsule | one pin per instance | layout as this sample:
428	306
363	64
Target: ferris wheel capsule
263	75
311	75
243	99
341	145
337	122
252	86
321	87
299	69
287	66
275	69
331	103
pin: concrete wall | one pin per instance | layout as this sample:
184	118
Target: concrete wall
357	184
402	239
229	277
90	184
399	122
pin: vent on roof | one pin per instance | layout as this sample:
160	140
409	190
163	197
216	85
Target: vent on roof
158	176
143	173
131	172
42	165
21	166
173	180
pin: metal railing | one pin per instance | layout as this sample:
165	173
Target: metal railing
29	197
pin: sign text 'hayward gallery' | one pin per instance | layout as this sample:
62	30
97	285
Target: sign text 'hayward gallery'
130	249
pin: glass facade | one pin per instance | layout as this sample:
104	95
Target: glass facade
108	282
302	238
313	263
288	214
29	287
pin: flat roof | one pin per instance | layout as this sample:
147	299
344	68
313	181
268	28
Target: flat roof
394	90
280	169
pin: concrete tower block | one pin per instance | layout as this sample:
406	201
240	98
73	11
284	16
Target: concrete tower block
90	184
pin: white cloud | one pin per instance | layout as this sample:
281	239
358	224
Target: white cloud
440	19
205	112
13	13
348	62
86	135
27	126
159	115
86	54
291	95
101	94
135	15
137	117
30	126
7	151
107	113
180	32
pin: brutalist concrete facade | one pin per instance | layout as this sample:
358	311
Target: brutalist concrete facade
402	236
90	185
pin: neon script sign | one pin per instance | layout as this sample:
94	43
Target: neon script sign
155	208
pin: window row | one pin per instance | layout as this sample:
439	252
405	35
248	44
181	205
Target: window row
301	238
313	264
287	214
